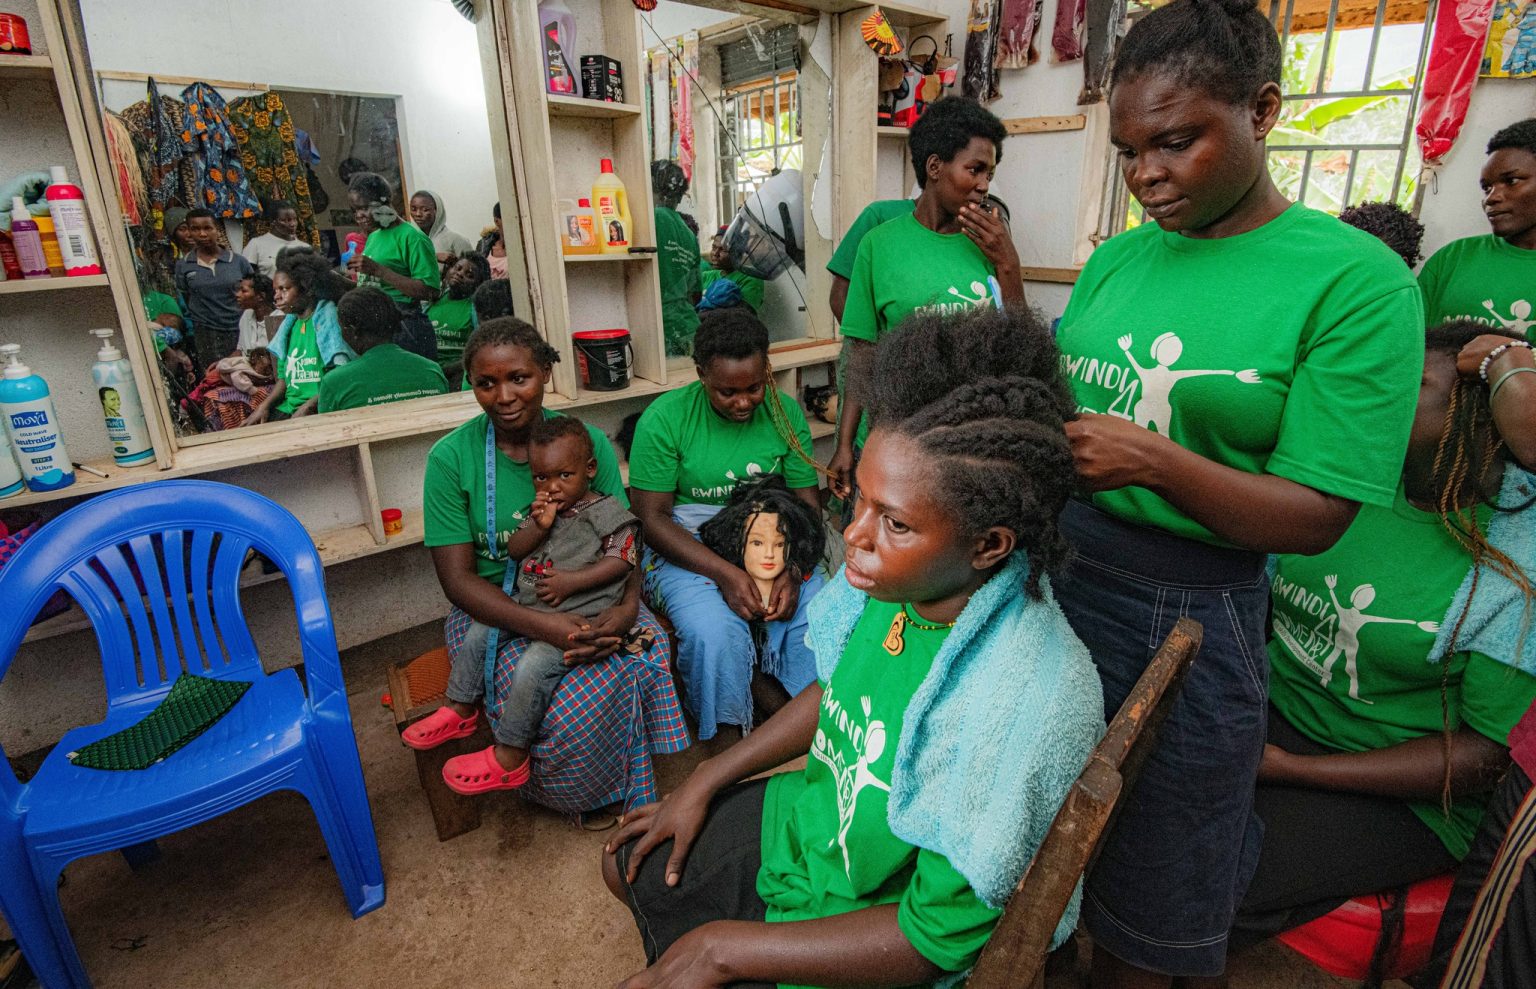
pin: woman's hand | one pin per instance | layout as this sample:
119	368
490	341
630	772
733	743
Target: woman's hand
446	257
361	264
604	635
693	962
1470	360
741	594
988	231
678	816
783	599
1111	452
840	472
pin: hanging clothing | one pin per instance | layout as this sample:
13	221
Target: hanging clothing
1016	40
265	134
221	185
157	123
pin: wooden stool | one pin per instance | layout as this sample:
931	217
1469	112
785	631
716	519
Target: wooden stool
416	689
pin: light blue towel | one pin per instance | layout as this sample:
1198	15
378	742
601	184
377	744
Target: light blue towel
995	735
1495	624
333	349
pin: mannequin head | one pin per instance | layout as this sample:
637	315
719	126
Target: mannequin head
766	529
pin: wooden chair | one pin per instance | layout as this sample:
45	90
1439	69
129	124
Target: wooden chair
1015	955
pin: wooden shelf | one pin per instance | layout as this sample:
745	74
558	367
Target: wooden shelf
26	67
17	286
575	106
334	546
89	484
819	429
587	258
900	133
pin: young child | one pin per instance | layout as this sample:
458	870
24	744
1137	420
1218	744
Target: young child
577	549
952	711
260	319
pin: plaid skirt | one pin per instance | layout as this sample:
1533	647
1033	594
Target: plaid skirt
603	726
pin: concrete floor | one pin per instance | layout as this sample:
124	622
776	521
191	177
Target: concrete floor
250	900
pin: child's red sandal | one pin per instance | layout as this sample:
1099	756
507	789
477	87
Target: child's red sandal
480	772
442	725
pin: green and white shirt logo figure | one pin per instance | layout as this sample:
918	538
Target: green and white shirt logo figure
867	742
1150	405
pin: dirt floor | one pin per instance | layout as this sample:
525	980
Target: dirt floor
250	900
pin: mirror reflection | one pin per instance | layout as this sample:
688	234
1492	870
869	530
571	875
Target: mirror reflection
314	217
733	108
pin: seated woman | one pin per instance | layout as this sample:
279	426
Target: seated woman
1381	750
953	711
615	709
310	342
691	447
383	372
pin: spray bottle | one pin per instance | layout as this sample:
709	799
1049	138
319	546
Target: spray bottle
611	204
66	205
33	425
27	241
120	403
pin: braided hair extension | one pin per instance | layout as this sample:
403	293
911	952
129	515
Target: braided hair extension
1468	460
982	392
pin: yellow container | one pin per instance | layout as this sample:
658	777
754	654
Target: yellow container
50	238
610	203
577	235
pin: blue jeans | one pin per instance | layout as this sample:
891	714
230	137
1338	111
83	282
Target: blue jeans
715	649
1176	864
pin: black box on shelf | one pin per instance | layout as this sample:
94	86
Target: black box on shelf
602	79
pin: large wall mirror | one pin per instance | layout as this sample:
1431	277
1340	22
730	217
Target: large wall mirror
739	95
335	146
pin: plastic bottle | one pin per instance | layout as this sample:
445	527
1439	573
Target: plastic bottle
66	205
126	428
557	30
50	245
8	261
612	209
10	474
576	233
27	241
33	425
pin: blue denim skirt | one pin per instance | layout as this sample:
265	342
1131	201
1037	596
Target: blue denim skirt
1172	872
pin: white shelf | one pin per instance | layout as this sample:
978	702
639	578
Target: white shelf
899	133
588	258
575	106
26	67
18	286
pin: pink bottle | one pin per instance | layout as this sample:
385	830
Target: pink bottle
66	204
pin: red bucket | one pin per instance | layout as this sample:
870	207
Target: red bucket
605	357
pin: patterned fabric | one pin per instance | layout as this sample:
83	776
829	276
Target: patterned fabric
605	723
265	134
156	124
221	185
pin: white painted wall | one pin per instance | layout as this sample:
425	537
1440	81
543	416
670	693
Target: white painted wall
423	51
1452	206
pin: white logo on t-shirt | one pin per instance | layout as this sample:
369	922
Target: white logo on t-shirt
1519	320
1154	409
869	741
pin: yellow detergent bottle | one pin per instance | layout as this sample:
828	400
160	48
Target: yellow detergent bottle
611	205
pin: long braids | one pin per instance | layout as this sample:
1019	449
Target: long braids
1465	478
982	393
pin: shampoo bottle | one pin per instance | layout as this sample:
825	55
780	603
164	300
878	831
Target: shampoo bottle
27	241
557	30
611	204
66	205
33	425
113	377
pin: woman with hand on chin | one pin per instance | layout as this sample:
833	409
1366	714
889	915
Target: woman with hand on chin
1245	370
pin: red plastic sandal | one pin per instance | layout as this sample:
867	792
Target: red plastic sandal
479	772
442	725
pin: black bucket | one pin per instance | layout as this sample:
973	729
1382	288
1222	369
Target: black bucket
605	357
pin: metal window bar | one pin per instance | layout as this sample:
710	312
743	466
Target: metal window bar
759	121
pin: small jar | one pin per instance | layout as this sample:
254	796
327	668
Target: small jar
14	39
394	521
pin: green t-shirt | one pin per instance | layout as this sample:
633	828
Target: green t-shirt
684	447
453	492
405	250
384	373
1485	279
868	219
902	268
1294	349
751	287
300	365
827	844
453	320
156	303
1348	662
677	268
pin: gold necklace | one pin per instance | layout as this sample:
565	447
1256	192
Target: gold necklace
894	643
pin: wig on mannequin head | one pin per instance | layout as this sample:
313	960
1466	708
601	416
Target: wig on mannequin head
804	538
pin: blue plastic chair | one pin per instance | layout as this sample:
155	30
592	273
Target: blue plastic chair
156	567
